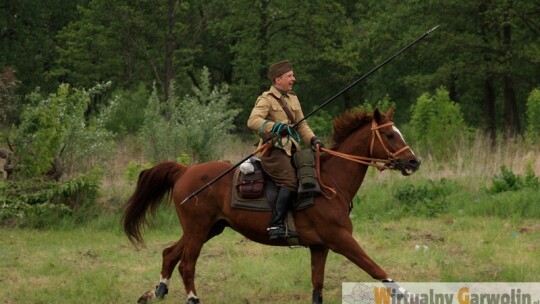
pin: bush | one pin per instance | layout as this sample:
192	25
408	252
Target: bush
193	125
532	133
509	181
125	116
56	126
427	200
36	202
438	125
321	124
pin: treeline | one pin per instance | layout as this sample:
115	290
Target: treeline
486	53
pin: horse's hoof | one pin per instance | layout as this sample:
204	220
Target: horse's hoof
317	297
147	297
193	301
161	291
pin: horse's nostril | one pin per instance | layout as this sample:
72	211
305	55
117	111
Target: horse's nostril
414	162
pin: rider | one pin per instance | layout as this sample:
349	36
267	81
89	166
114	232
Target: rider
276	111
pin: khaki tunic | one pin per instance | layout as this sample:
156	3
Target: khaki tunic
277	162
268	108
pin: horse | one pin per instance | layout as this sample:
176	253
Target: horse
365	138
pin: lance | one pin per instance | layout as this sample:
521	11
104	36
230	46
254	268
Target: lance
422	37
324	104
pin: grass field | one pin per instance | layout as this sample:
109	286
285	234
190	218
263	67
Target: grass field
440	224
93	264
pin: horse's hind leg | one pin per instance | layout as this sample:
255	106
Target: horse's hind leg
190	255
171	257
318	262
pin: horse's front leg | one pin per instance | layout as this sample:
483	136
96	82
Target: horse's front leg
318	263
343	243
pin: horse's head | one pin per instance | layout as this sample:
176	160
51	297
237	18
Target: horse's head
388	143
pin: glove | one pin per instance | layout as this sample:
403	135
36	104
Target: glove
315	141
284	131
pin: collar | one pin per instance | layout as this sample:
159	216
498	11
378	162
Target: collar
277	92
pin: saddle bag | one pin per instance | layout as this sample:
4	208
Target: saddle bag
304	161
250	183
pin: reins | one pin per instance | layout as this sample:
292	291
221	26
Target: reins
380	164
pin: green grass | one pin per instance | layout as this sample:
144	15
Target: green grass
96	264
441	224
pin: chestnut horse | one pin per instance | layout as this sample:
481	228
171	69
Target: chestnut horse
367	138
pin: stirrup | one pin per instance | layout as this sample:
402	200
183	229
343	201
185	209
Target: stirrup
276	232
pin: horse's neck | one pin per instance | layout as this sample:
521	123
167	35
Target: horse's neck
346	175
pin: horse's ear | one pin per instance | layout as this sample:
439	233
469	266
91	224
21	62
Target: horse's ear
389	113
377	115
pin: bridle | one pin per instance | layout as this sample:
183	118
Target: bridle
380	164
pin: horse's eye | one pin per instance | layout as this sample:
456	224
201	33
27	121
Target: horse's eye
390	136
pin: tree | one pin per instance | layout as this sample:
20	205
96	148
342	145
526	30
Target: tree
8	98
27	38
484	50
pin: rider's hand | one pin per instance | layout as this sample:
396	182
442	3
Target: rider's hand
284	131
315	141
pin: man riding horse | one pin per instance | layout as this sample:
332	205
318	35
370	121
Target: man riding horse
273	116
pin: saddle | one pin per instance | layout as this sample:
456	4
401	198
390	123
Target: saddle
254	190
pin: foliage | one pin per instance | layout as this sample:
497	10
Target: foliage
426	200
321	124
383	105
56	126
129	43
192	125
133	170
125	115
438	125
9	100
532	133
509	181
27	39
37	202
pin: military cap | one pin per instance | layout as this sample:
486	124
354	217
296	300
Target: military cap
279	68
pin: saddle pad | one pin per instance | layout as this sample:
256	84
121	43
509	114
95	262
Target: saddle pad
262	204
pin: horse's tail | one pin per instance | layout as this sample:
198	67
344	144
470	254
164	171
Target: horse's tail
152	186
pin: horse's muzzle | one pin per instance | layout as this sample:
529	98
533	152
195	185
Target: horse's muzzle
406	166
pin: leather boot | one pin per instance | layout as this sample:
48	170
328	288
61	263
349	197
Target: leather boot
277	227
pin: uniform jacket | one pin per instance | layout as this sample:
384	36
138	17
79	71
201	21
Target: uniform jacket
268	108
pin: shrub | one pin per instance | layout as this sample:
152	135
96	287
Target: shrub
426	200
134	169
125	115
193	125
438	125
37	202
532	133
509	181
321	124
56	126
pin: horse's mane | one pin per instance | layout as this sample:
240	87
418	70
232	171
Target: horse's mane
349	122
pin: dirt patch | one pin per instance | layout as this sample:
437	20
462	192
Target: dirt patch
530	229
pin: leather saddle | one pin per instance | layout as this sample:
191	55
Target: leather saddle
254	190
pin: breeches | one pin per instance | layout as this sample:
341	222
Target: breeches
278	165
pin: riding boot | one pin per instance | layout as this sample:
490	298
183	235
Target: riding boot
277	227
